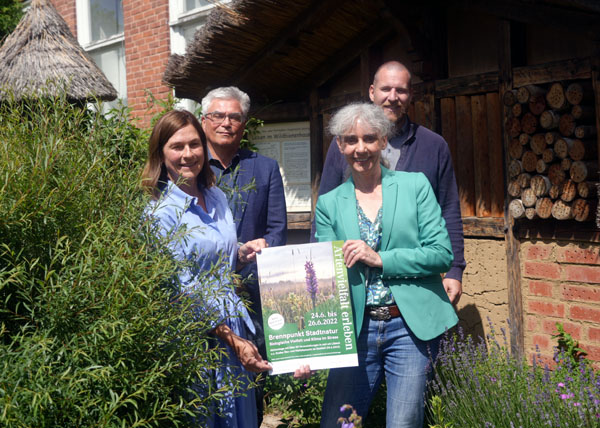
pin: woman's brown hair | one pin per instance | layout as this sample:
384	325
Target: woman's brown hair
154	176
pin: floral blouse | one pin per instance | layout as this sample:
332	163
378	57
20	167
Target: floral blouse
378	293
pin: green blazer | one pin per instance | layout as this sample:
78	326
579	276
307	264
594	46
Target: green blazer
415	248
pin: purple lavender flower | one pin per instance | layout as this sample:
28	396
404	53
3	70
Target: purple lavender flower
312	286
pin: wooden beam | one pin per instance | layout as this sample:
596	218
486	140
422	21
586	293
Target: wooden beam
552	72
486	227
513	246
464	156
596	86
316	146
335	102
365	73
495	154
448	119
467	85
298	220
281	111
311	17
564	230
536	12
374	33
481	164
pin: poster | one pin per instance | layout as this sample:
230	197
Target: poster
289	144
306	306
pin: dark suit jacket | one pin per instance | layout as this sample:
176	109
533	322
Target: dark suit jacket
261	212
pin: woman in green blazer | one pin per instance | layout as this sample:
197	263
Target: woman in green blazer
396	248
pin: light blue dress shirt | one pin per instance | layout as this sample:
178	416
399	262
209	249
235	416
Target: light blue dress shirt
207	238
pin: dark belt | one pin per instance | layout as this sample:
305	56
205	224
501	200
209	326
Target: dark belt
383	313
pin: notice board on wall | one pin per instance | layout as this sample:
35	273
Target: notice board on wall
289	144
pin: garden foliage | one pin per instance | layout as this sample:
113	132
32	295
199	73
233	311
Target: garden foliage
483	385
90	333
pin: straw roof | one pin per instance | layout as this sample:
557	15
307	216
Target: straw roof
41	57
276	49
273	47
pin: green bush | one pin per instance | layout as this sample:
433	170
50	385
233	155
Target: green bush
89	331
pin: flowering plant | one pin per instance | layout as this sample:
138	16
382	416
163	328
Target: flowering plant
352	421
312	285
484	385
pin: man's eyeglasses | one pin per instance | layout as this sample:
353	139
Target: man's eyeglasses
218	117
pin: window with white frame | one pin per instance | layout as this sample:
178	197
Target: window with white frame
100	32
185	17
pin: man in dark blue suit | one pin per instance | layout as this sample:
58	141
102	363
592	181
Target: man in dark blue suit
252	183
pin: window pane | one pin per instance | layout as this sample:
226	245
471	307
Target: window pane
106	17
194	4
190	30
111	61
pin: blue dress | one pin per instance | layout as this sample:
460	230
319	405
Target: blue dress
210	237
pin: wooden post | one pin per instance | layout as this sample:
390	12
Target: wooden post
596	85
316	146
515	301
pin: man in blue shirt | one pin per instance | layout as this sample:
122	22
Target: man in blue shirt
258	212
413	148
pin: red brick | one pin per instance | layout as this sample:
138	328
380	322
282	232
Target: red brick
594	334
542	341
583	274
579	255
585	313
542	270
532	323
539	252
549	326
593	352
583	293
547	308
540	288
542	360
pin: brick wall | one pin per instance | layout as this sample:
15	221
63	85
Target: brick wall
561	283
147	48
146	27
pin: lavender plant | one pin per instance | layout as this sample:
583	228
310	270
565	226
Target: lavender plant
485	386
312	285
351	421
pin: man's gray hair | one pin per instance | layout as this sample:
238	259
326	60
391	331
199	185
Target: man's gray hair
227	93
369	114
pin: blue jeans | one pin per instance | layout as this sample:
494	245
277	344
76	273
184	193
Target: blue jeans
383	347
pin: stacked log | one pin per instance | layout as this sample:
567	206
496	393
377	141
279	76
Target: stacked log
553	151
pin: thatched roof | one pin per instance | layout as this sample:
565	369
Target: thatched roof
284	48
269	47
41	57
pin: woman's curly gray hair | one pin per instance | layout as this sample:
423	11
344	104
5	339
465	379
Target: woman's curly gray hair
369	114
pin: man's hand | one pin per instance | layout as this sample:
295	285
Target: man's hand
247	252
453	289
245	350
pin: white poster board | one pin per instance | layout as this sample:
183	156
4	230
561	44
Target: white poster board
289	144
306	307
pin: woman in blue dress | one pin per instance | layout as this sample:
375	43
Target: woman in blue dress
184	196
